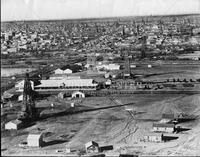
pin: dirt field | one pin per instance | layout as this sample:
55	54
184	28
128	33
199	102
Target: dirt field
113	126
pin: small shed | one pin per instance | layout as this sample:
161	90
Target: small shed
149	66
72	104
108	82
20	98
92	147
153	137
35	139
14	125
163	127
68	150
62	95
78	94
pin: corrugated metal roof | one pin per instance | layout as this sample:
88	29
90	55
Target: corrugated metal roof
67	83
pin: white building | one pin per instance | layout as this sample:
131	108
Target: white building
35	139
15	125
153	137
67	84
78	94
59	71
92	147
133	66
108	82
109	67
163	127
63	76
19	86
20	98
67	71
113	67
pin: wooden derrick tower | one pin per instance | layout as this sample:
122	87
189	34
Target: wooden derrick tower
127	70
91	61
144	46
28	106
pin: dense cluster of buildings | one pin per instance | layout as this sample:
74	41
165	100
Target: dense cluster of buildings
163	35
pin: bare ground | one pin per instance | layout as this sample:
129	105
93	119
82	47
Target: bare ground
115	126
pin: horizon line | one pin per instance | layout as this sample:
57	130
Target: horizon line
96	18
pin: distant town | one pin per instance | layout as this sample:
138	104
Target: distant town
100	87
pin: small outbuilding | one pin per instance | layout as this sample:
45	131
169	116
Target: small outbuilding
35	139
153	137
149	66
14	125
62	95
78	94
163	127
20	98
92	147
108	82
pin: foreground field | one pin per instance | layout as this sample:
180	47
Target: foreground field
114	126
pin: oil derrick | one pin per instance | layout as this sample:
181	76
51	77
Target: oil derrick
123	31
138	30
28	108
127	70
91	62
143	49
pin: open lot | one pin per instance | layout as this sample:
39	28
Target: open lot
111	126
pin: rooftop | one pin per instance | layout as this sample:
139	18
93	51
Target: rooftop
67	82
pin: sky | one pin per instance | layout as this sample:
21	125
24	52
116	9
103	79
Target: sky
12	10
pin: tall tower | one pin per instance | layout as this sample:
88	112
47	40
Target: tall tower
143	49
127	70
28	107
91	62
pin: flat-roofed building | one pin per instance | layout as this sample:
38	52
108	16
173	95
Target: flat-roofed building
163	127
67	84
13	125
153	137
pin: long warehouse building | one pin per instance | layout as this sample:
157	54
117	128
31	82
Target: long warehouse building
67	84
